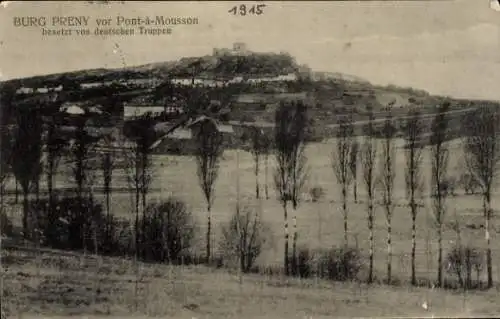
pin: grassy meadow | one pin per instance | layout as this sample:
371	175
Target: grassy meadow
319	224
64	285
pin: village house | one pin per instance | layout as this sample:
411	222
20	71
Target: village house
236	79
71	109
197	82
131	112
182	81
91	85
181	137
24	90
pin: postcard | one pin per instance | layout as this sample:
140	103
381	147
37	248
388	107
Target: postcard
249	159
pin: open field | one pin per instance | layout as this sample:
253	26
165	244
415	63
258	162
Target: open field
319	224
63	285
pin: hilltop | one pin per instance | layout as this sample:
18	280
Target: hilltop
206	66
250	81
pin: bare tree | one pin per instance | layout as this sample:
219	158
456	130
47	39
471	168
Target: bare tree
143	136
340	163
5	161
133	167
55	146
244	237
368	162
291	170
267	150
131	156
108	158
353	166
26	155
257	150
209	152
81	150
387	176
439	192
16	200
413	177
6	137
482	158
6	102
260	145
144	139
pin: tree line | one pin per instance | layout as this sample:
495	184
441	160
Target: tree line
33	147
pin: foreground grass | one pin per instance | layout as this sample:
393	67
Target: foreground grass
62	284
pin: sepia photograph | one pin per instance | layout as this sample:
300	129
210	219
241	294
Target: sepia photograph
250	159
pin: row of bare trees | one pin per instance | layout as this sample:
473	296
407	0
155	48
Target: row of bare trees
480	146
482	159
33	144
31	137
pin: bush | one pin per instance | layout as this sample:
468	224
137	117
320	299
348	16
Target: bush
243	238
304	263
316	193
6	227
247	118
469	183
338	263
193	259
70	225
168	231
462	262
118	239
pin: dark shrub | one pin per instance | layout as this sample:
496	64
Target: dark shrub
339	264
70	224
447	187
243	238
462	262
118	238
304	264
169	231
247	118
6	227
192	259
469	183
316	193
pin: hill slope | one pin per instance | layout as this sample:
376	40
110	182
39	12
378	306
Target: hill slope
329	93
67	284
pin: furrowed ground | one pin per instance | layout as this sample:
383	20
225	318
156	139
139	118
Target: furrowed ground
66	285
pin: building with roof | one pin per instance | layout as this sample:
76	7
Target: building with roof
24	90
72	109
131	112
181	138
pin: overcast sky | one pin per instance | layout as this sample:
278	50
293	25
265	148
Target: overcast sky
444	47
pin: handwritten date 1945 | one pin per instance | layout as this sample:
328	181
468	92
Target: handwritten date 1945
243	10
